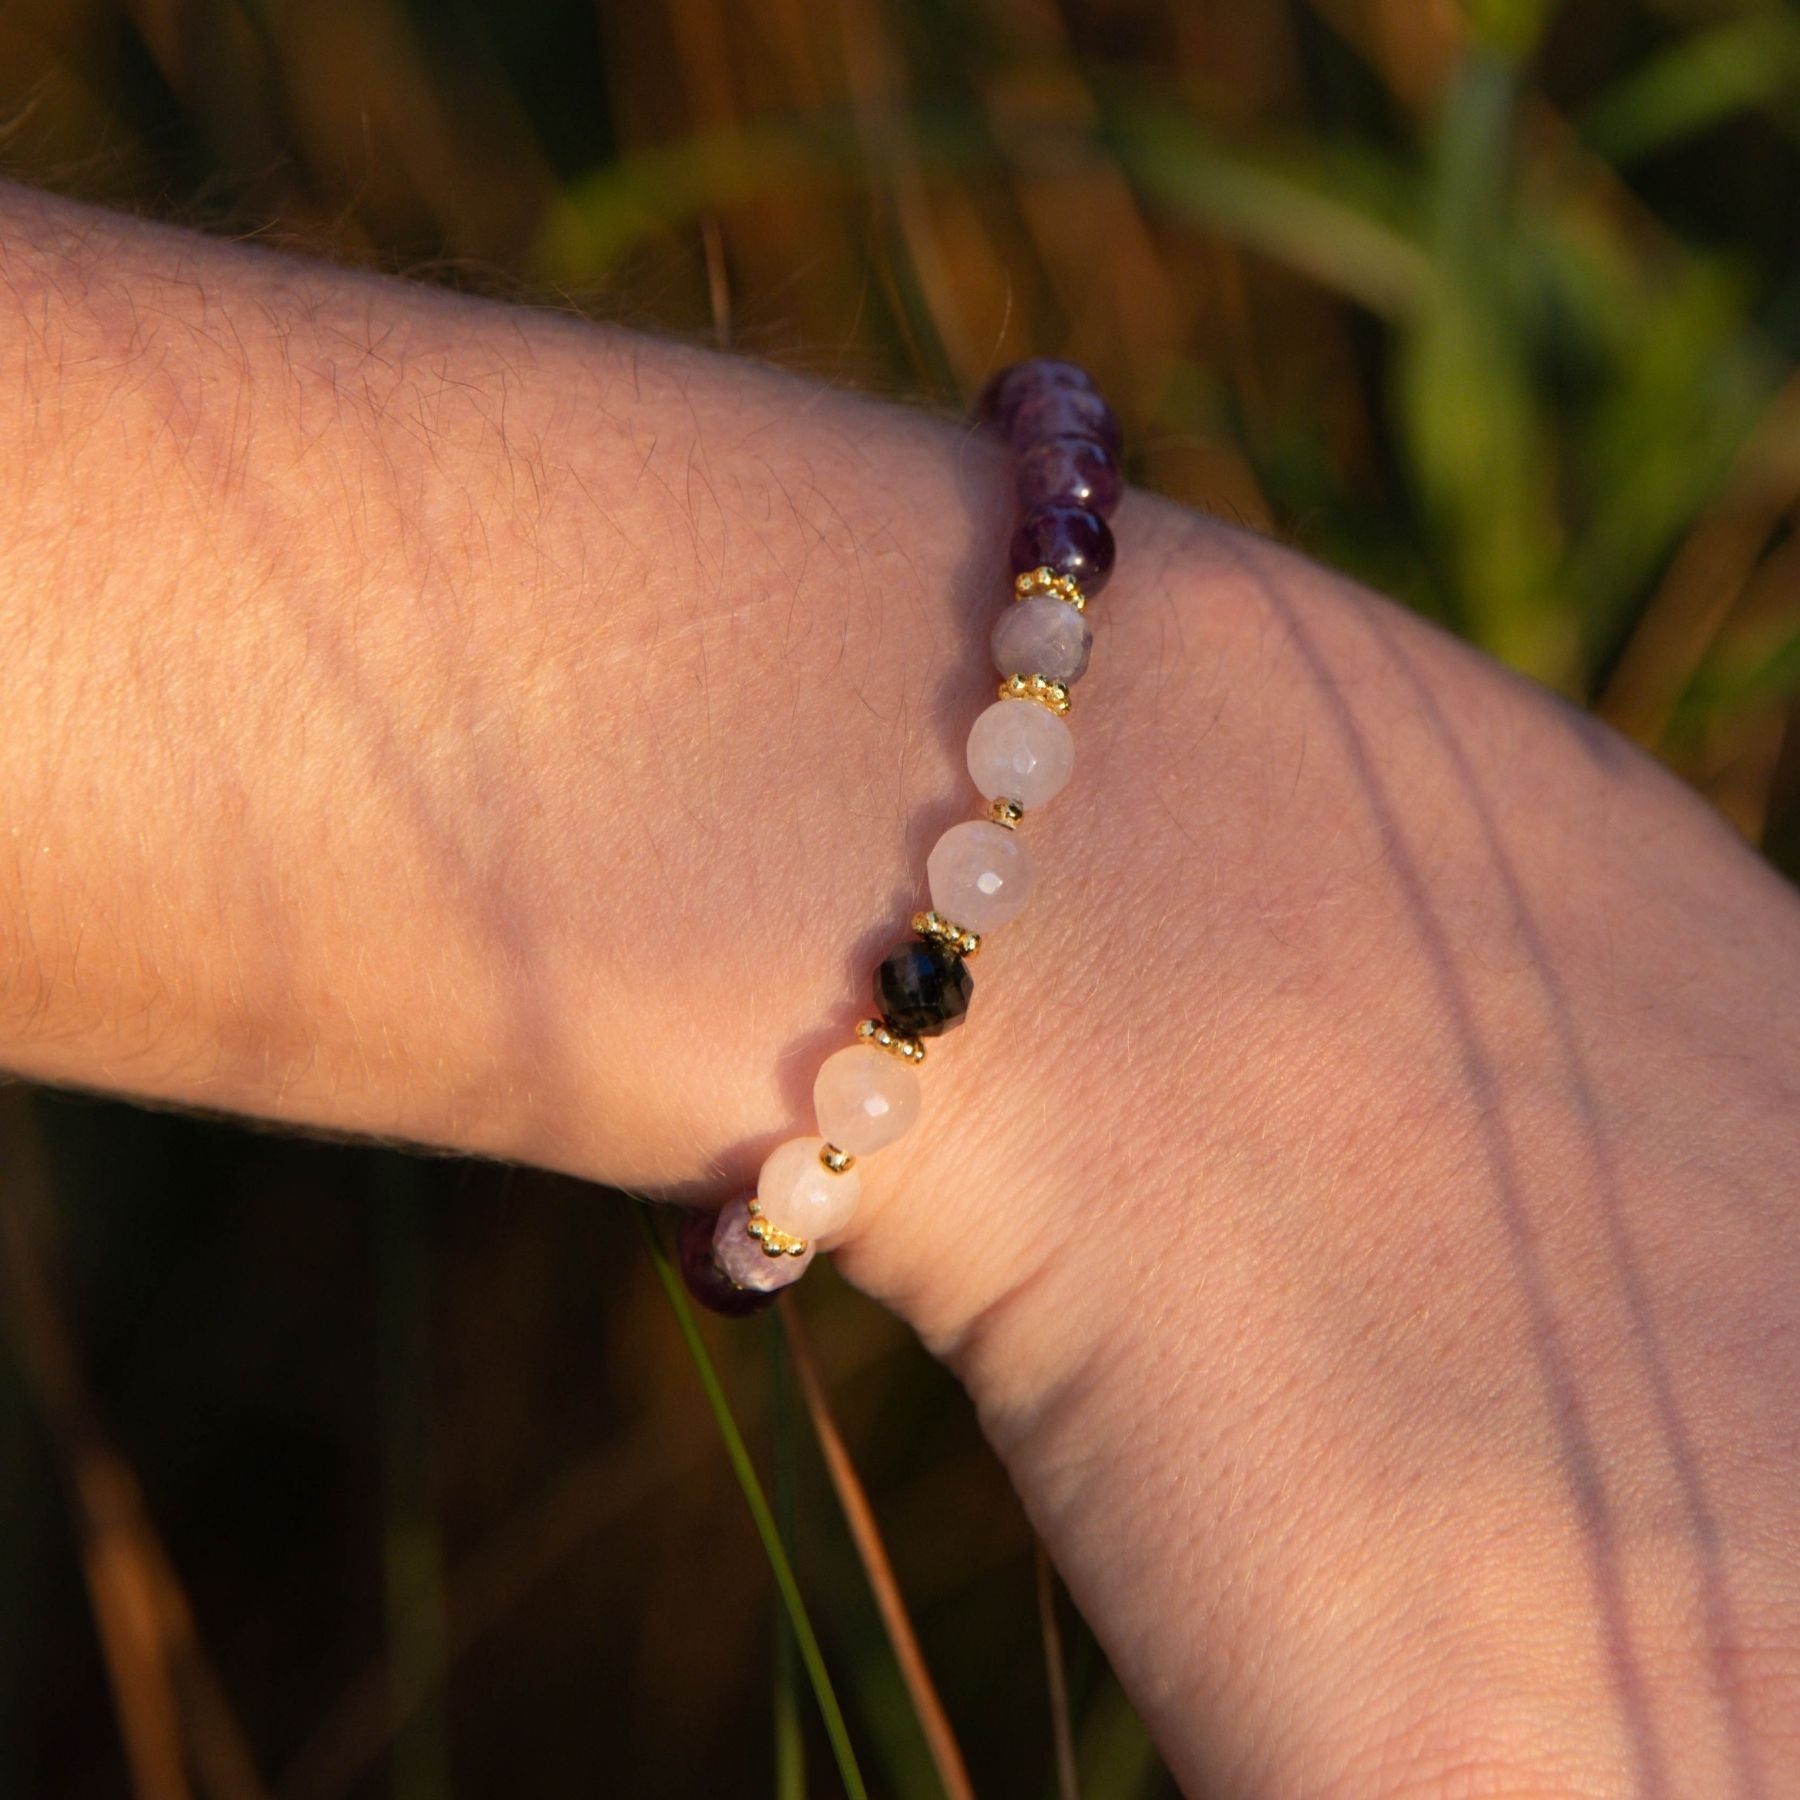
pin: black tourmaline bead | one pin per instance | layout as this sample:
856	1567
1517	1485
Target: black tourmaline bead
705	1280
923	989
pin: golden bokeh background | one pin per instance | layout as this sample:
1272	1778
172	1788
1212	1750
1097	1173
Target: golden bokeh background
325	1472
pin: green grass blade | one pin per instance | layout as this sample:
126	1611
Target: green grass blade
1285	207
415	1601
790	1747
1479	445
597	218
1705	79
811	1657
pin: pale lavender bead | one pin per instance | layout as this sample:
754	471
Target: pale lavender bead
865	1098
744	1260
1043	636
800	1195
980	873
1020	751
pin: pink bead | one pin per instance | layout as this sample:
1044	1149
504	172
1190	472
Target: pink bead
801	1196
980	873
865	1098
745	1262
1020	751
1043	636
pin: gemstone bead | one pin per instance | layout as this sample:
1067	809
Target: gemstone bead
743	1258
800	1195
707	1281
1011	387
980	873
923	989
866	1098
1059	412
1043	636
1069	471
1020	751
1067	540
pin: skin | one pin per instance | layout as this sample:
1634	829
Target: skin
1362	1200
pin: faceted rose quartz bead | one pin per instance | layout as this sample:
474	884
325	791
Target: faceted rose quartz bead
1067	540
1020	751
1065	412
1009	389
700	1270
1069	471
1043	636
980	873
745	1262
800	1195
865	1098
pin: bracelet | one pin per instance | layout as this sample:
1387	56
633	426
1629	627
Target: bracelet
1021	755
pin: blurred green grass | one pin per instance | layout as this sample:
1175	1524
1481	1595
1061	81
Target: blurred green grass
1497	306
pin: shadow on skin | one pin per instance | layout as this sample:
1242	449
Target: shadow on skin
979	585
1577	1448
1704	1533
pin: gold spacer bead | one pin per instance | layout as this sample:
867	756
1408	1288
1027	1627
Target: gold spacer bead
836	1160
1047	581
908	1049
1053	694
774	1241
939	930
1006	812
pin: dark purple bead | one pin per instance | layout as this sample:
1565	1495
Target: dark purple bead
1064	412
1069	471
923	989
705	1280
1003	395
1067	541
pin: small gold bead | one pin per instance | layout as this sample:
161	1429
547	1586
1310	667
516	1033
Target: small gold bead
1053	694
908	1049
774	1241
934	926
836	1160
1006	812
1047	581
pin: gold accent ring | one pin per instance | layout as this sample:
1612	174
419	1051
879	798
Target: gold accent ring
897	1043
774	1241
935	928
1046	581
1053	694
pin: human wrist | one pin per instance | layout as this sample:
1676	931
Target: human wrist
541	768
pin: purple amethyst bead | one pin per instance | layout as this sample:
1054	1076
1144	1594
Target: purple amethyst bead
1003	395
1064	412
1067	540
1069	471
705	1280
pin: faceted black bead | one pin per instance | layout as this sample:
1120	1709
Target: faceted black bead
923	989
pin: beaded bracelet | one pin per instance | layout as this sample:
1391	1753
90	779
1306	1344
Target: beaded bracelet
1021	754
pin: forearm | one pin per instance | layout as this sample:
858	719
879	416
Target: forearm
338	613
448	721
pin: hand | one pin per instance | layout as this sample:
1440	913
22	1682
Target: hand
1361	1202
